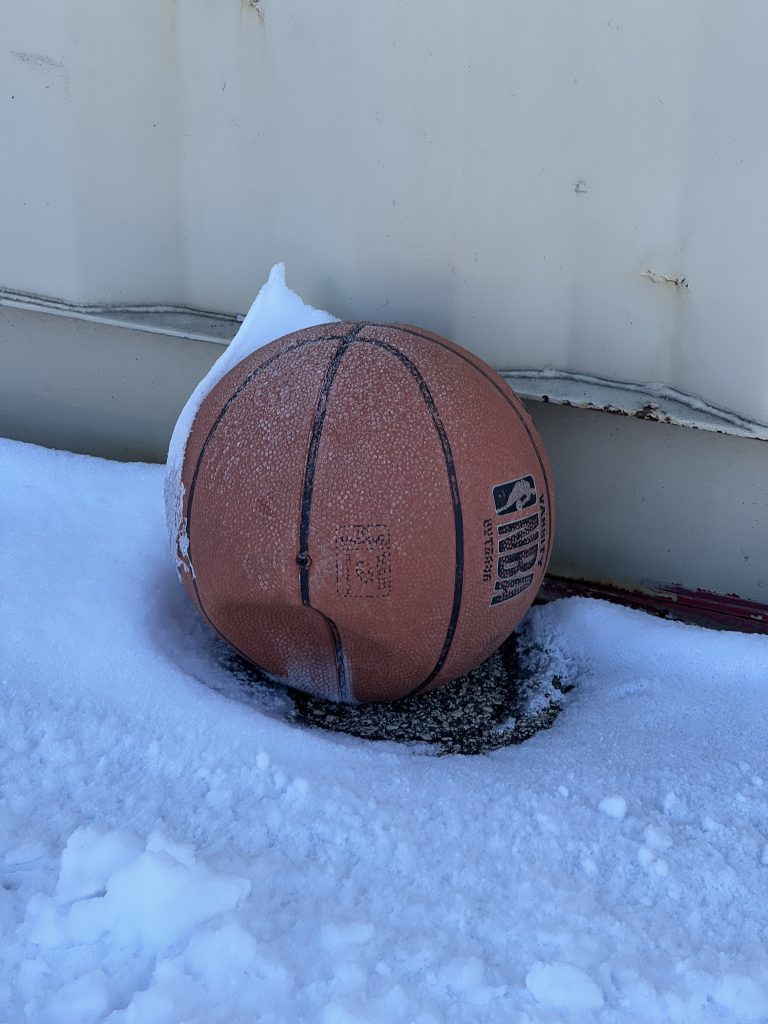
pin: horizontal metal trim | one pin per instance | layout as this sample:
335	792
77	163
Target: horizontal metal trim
672	600
655	402
174	321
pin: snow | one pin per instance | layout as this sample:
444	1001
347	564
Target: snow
562	986
156	896
169	854
275	312
614	806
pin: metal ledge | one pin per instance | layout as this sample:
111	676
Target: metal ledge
672	600
655	402
174	321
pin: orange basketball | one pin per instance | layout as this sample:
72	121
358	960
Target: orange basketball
368	510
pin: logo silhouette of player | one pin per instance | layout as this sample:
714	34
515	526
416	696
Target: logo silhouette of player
522	495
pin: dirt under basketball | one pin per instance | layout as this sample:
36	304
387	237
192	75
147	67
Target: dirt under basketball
368	510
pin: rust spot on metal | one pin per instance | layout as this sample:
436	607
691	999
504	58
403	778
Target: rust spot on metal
650	411
657	278
256	6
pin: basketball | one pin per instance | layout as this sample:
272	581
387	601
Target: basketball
367	510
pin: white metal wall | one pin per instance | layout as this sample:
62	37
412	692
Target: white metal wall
532	177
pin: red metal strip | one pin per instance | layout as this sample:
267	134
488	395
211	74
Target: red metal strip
672	600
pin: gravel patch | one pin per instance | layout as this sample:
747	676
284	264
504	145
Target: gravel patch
509	698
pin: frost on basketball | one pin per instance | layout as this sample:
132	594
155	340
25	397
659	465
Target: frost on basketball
367	510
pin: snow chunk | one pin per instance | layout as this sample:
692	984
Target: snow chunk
275	312
657	838
170	998
561	986
336	1012
645	856
88	860
675	806
158	899
86	1000
156	895
743	997
462	974
613	806
588	866
31	976
220	956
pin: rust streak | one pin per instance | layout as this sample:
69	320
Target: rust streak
670	600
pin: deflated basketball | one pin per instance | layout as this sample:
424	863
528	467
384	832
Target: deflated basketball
367	511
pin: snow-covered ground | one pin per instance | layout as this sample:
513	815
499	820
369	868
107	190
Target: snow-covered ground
172	856
168	855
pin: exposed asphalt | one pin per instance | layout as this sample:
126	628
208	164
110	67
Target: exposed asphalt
508	699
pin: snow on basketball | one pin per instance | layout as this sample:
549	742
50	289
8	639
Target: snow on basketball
365	511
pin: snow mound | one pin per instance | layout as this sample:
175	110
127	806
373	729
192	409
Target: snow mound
275	311
168	854
108	885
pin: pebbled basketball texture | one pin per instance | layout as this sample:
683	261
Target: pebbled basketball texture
368	510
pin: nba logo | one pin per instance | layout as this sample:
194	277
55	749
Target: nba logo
514	496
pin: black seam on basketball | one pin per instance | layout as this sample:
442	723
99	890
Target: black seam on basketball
338	650
321	409
193	483
426	337
458	518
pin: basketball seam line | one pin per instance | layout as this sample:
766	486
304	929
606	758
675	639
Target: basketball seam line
193	483
425	337
458	518
321	409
